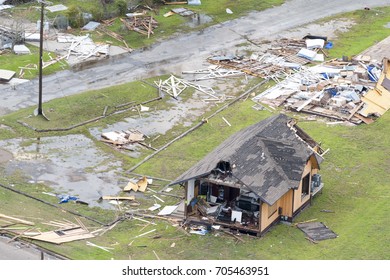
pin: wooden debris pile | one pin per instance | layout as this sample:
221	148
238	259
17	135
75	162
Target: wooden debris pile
123	139
175	86
215	72
65	231
141	24
139	185
279	59
354	90
82	47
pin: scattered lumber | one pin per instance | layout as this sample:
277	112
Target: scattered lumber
21	221
141	24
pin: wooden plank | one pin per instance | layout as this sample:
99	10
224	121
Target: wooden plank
355	110
107	197
142	184
231	234
364	119
58	237
16	220
176	3
226	121
130	186
307	102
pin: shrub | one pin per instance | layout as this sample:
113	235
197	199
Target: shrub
122	7
75	16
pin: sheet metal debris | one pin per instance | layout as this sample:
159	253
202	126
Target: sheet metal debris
92	25
183	12
167	210
317	231
6	75
56	8
4	7
194	2
21	49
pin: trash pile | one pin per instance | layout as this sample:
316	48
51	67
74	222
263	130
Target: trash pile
355	89
279	59
82	46
337	89
175	86
141	24
123	139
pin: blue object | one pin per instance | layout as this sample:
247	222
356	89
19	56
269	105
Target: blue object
332	91
371	75
193	202
328	45
66	198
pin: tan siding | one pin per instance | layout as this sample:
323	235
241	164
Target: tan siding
285	202
298	201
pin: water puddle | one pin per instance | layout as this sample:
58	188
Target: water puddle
198	19
69	164
155	122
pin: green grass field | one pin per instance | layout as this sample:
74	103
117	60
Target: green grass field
355	173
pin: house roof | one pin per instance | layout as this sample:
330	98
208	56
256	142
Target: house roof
268	158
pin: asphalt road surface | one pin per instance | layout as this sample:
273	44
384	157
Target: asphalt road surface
184	52
14	250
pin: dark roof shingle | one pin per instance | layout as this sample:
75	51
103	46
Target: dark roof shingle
267	157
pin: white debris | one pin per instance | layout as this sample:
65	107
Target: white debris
21	49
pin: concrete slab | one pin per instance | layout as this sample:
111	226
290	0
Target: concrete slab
379	50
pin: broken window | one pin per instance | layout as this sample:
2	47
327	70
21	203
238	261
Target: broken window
306	185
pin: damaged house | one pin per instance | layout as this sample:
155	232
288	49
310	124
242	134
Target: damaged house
263	174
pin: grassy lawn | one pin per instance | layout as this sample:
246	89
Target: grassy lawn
14	62
355	174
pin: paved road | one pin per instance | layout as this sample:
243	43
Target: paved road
186	52
20	251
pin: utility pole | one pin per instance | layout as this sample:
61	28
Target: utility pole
40	110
